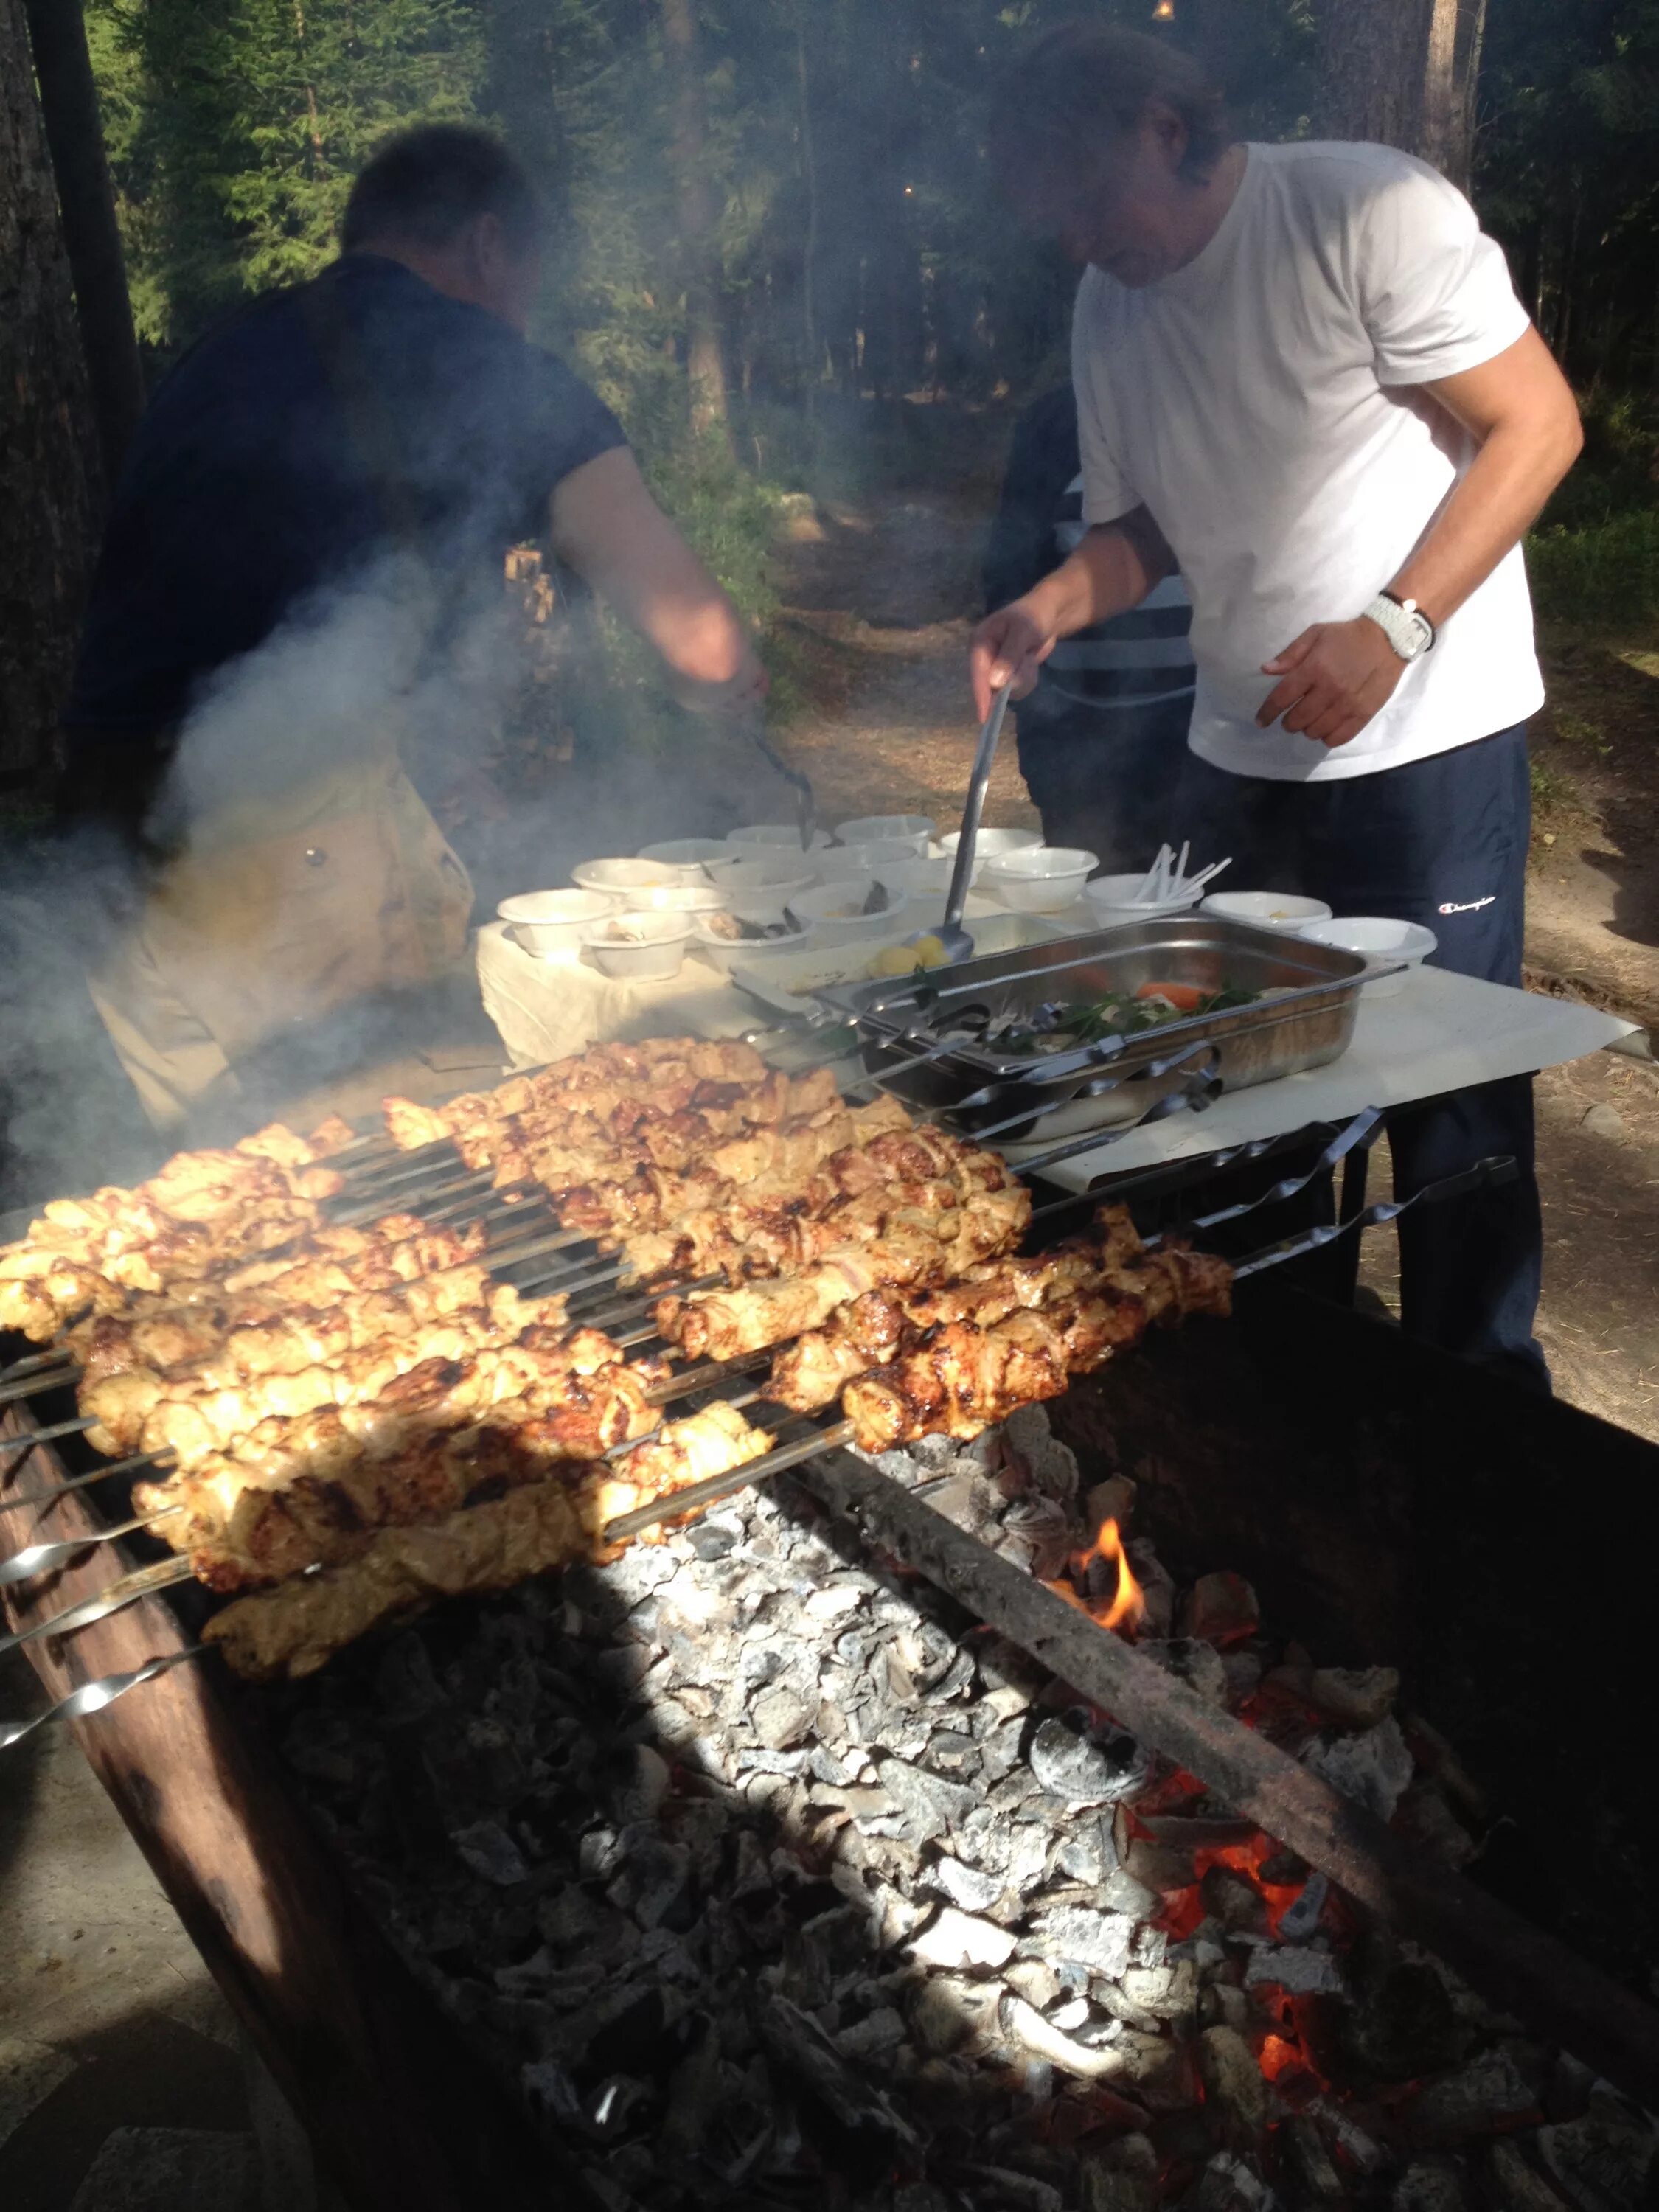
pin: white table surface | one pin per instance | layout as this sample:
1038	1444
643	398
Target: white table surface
1441	1032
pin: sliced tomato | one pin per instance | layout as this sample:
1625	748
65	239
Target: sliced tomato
1186	997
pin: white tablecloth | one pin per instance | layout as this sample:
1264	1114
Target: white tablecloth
547	1008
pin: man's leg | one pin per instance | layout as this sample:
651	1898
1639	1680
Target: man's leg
1443	842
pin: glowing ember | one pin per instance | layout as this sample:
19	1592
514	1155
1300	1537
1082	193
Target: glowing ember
1277	2057
1126	1606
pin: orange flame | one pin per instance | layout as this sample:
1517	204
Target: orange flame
1126	1606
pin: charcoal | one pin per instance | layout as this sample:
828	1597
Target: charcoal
1429	2186
873	2036
1479	2099
1310	2161
1227	2184
490	1852
781	1716
940	2017
1234	1901
802	2050
1357	1697
965	1886
1166	1991
1299	1973
1232	2082
1601	2166
1513	2185
1098	1941
1299	1919
1221	1608
1020	2192
955	1939
1372	1768
1406	2025
1084	1766
929	1804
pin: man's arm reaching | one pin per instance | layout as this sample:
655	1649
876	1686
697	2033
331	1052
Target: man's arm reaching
1112	570
609	529
1337	675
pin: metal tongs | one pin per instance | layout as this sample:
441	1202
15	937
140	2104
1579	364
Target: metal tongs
807	804
957	943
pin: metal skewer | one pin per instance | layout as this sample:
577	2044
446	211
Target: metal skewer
92	1697
145	1582
35	1558
23	1445
699	1494
161	1461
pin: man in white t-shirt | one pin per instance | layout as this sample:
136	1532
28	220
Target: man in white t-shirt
1303	377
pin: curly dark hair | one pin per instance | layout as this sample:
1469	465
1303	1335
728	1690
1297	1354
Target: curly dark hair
1080	85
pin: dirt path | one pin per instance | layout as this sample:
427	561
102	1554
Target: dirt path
877	629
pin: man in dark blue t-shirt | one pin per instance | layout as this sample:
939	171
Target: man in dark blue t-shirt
316	503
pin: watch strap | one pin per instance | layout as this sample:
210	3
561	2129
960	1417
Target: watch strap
1403	622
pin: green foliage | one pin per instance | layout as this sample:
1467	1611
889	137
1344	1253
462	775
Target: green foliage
1551	789
1603	576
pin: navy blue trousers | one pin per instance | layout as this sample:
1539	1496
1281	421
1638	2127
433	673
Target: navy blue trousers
1441	841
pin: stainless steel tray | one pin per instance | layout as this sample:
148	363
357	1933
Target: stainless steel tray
1309	1025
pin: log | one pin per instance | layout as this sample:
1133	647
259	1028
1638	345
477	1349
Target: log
1513	1964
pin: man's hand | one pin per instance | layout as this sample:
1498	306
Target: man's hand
738	695
1011	644
1332	679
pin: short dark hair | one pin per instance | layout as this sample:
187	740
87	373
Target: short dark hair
1081	84
426	185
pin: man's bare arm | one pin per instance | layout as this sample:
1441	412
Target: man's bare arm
1114	567
608	528
1337	675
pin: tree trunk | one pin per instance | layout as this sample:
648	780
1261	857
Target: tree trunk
705	360
47	455
809	262
85	200
1402	72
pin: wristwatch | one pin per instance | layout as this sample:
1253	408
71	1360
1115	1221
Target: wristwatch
1403	622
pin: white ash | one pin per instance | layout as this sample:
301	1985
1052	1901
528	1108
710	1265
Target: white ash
766	1876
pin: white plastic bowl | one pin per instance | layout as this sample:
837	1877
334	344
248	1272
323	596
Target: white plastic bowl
622	878
1379	938
701	898
689	853
911	829
989	843
822	911
653	946
547	923
1266	909
865	860
767	833
916	877
1115	897
729	952
1038	878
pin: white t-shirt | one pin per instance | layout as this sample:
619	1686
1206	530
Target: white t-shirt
1259	402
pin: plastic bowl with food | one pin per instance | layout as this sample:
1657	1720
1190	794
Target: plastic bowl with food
1114	896
691	853
1038	878
759	883
638	947
1266	909
548	923
1379	938
764	834
989	843
912	829
729	940
865	860
850	907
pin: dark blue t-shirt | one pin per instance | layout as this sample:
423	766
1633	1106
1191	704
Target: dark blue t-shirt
246	491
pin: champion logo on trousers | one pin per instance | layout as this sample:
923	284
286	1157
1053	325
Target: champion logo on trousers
1469	906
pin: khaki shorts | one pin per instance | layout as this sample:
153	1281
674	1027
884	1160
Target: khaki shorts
275	913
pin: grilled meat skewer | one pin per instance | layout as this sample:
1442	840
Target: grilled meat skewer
295	1628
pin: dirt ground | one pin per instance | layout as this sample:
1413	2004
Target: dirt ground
876	633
